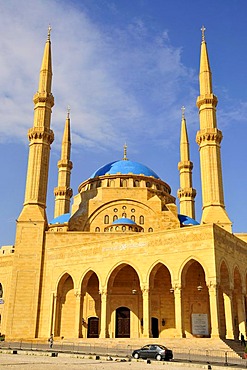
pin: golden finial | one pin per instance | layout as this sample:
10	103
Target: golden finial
183	110
68	111
49	32
125	153
203	29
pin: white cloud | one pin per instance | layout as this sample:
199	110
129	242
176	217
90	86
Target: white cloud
119	83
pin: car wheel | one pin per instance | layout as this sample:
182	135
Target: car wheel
158	357
136	356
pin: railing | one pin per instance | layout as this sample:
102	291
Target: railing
121	350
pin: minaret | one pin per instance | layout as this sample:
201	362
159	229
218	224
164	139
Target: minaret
186	193
63	192
40	135
24	296
209	138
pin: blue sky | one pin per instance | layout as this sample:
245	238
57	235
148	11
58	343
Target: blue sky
125	68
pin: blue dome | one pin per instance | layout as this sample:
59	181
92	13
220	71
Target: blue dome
125	221
124	167
186	220
61	219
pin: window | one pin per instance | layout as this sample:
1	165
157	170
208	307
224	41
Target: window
124	183
124	215
97	229
136	184
106	219
150	230
1	290
133	218
112	183
148	185
141	220
115	217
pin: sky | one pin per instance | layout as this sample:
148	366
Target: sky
125	68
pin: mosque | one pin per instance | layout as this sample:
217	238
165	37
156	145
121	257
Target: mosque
119	260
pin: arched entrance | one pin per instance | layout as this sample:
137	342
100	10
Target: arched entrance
124	301
195	297
65	309
225	305
238	306
90	306
122	322
162	306
93	327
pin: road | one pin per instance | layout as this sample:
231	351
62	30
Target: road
66	362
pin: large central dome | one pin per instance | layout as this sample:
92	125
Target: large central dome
124	167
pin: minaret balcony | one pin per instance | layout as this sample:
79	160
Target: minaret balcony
207	99
41	134
186	193
185	165
63	191
43	97
209	135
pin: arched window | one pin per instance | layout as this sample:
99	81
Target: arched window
1	290
141	220
115	217
136	184
97	229
148	185
150	230
157	187
124	183
124	215
112	183
106	219
133	218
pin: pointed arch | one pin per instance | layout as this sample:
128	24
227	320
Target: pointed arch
65	307
162	305
195	299
90	305
187	262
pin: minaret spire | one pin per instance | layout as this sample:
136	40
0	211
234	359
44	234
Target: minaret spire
40	135
63	192
209	138
186	193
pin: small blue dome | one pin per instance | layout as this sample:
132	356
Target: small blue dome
124	167
125	221
61	219
186	220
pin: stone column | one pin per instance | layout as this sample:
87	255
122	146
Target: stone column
228	315
52	312
103	319
77	314
214	309
56	302
178	310
146	313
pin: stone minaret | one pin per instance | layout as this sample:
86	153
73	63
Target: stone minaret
24	298
63	192
40	135
209	138
186	193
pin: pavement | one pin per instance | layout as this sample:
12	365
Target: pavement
62	361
